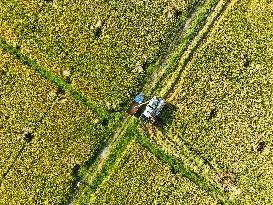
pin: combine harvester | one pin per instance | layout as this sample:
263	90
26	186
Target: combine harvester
150	114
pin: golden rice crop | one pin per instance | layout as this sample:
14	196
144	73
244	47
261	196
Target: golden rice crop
224	107
98	43
140	178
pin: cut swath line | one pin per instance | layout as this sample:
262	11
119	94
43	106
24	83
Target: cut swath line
189	153
180	73
190	28
173	38
62	84
212	189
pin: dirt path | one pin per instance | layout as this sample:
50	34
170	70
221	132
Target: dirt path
97	166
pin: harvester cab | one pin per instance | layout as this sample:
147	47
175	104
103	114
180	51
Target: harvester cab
136	104
151	111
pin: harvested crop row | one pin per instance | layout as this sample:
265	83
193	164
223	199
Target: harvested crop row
24	100
141	179
183	39
171	80
47	170
186	155
100	47
224	106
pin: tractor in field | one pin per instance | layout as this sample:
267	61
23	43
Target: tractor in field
149	114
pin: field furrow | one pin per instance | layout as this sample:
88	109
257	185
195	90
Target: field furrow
184	40
166	87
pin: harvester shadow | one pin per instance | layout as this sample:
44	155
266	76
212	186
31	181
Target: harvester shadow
165	117
140	111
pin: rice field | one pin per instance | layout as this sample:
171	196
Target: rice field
23	104
223	104
46	136
94	45
62	143
141	179
68	70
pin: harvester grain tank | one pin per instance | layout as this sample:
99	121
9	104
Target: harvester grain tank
152	110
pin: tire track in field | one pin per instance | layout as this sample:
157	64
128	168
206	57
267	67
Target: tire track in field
190	158
160	72
169	90
175	85
186	32
100	162
107	161
178	84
